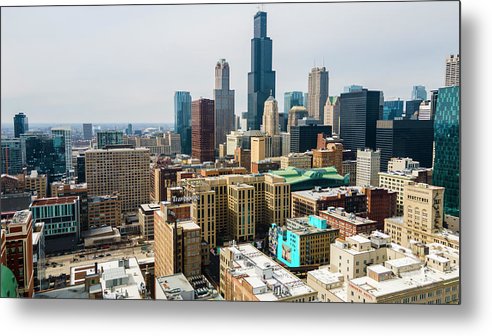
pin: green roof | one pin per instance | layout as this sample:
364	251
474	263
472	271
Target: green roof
300	179
8	283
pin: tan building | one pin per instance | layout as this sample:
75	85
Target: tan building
104	211
332	114
257	149
246	274
146	220
270	117
122	170
423	273
243	157
177	246
423	218
241	206
36	183
297	160
277	200
203	210
331	156
162	178
402	164
397	180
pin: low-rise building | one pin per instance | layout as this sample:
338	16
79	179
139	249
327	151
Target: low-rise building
348	223
105	211
302	241
246	274
296	160
177	287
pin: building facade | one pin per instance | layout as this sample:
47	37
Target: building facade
182	119
224	103
318	85
368	165
202	130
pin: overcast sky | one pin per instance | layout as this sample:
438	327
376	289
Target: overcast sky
123	64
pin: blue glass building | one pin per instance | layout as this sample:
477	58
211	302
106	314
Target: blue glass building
182	119
392	109
294	98
447	147
21	125
412	106
261	79
419	92
46	155
11	156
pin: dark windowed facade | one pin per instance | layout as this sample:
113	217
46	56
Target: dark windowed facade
405	138
202	130
182	119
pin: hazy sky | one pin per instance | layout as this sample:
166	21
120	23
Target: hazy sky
123	64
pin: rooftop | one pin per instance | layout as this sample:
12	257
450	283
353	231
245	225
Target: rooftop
269	280
54	201
326	277
319	193
346	216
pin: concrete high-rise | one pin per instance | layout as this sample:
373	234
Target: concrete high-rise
224	103
452	71
21	124
359	111
368	163
66	133
182	119
122	170
270	117
318	92
447	147
202	130
261	79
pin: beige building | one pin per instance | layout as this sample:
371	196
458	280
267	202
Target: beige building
177	246
104	211
368	165
397	180
125	171
241	205
423	218
332	114
402	164
270	117
246	274
37	183
297	160
452	70
423	273
331	156
271	199
203	210
146	220
350	167
257	149
318	83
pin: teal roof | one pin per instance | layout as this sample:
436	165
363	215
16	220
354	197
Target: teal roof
8	283
300	178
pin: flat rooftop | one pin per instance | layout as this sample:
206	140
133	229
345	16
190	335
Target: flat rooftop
150	207
250	264
54	200
347	217
328	192
326	277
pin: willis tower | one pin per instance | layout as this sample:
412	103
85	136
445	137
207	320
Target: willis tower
261	79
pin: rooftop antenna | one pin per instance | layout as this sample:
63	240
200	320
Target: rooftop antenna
323	61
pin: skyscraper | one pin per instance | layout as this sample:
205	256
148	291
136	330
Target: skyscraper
202	130
261	79
368	163
46	155
392	109
182	119
291	99
20	124
270	117
452	72
66	133
359	111
105	138
405	138
332	113
318	92
447	147
11	156
419	92
87	131
224	103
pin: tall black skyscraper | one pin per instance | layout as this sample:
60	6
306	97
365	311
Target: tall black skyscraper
261	79
359	112
405	138
20	124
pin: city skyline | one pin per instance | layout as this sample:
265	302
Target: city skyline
101	85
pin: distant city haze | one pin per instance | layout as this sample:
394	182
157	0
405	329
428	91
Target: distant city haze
121	64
